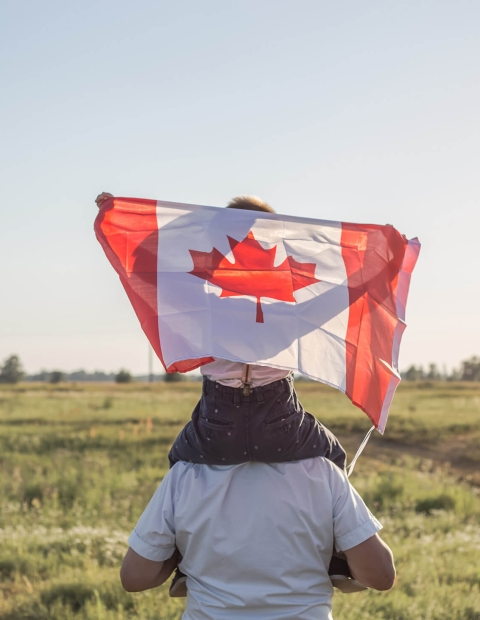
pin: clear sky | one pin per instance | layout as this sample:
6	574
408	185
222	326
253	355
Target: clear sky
355	111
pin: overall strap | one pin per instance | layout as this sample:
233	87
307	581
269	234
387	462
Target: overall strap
246	379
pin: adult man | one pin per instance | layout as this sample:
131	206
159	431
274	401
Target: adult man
256	539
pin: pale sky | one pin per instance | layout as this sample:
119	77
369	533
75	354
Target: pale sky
354	111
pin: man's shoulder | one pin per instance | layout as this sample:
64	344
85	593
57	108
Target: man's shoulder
313	468
323	464
320	467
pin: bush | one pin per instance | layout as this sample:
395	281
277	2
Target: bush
73	595
437	502
76	596
33	492
68	491
123	376
7	569
56	376
107	402
171	377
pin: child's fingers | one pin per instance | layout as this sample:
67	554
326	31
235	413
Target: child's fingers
102	197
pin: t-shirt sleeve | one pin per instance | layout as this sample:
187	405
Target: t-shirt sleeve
353	523
154	535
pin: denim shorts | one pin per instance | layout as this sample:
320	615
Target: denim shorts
269	425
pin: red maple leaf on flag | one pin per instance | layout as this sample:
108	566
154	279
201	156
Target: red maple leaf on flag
253	272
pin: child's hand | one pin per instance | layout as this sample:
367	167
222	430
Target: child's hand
100	199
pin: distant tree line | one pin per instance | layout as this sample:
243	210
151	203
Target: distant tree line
12	372
469	371
56	376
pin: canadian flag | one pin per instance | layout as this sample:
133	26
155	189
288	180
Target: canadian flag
326	299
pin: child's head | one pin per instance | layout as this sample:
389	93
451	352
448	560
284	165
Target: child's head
251	203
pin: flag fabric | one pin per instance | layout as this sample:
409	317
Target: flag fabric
326	299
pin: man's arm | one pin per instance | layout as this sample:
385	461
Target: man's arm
138	573
371	563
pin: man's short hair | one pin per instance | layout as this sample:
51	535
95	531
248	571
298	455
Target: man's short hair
250	203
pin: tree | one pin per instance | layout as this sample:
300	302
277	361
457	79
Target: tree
413	374
471	369
433	373
123	376
12	371
56	376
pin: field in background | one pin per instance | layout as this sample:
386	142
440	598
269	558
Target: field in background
78	464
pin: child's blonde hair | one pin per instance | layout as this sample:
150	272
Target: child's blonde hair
251	203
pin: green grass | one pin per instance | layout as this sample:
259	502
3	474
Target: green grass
79	463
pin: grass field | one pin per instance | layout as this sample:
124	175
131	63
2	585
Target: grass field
79	463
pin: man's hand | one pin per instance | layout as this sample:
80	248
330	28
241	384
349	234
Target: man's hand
100	199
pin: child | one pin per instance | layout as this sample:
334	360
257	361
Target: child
249	412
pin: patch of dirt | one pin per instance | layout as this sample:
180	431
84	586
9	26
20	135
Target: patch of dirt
457	453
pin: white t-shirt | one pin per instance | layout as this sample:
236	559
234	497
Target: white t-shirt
230	373
256	538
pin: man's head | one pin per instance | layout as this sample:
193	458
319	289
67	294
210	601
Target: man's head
250	203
